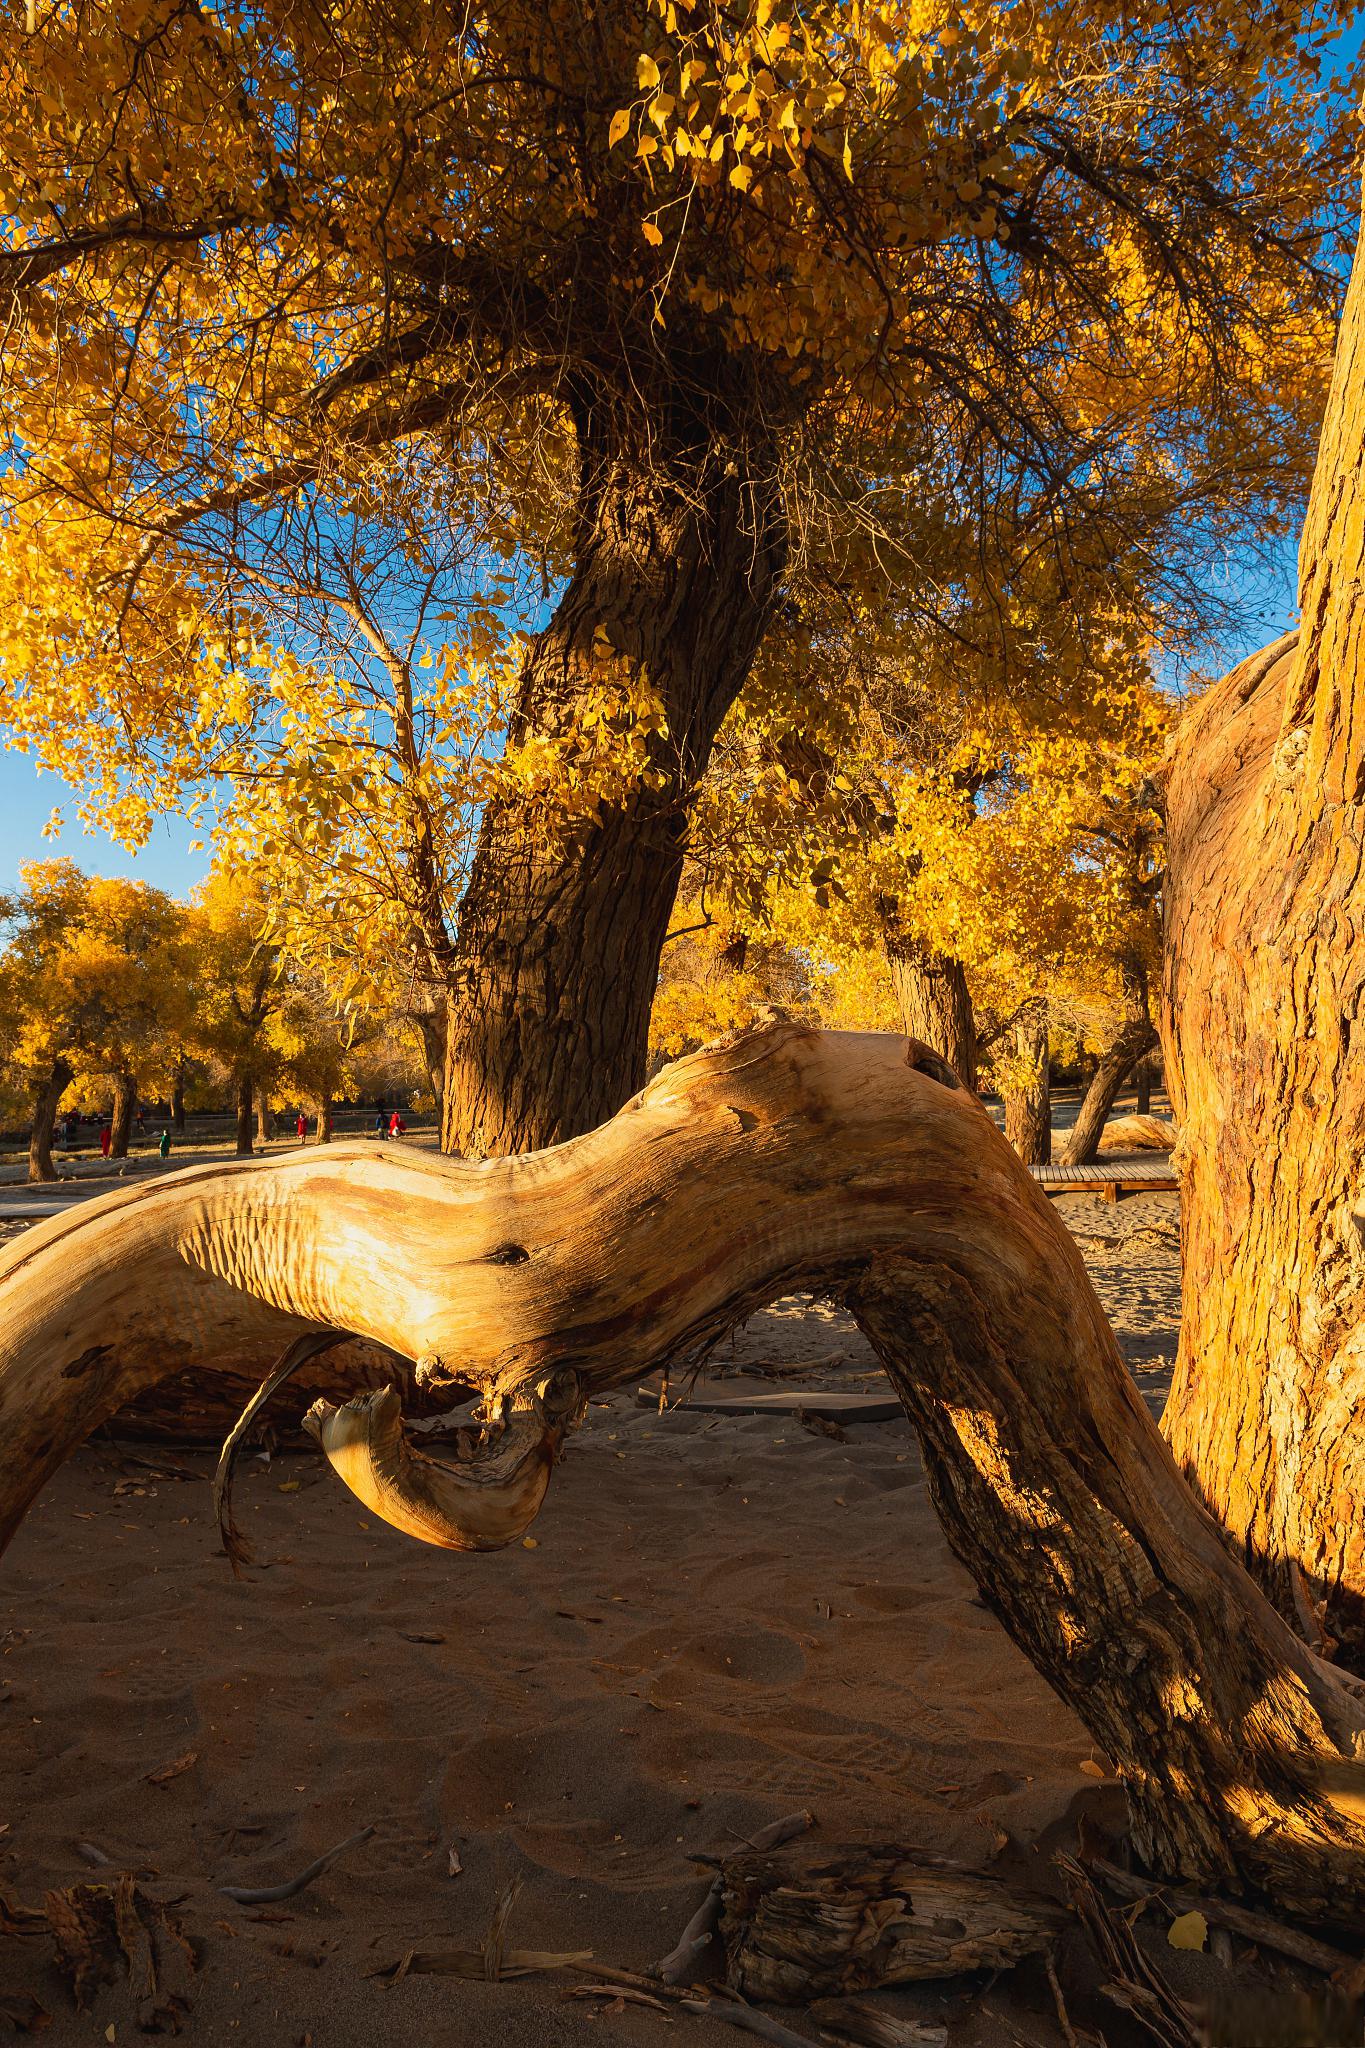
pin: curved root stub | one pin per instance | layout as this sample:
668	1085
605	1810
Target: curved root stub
484	1503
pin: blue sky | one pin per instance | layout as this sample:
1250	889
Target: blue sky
26	802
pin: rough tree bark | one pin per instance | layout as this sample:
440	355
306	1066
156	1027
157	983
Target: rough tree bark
121	1119
860	1167
265	1122
1264	1021
53	1088
178	1098
555	958
1135	1037
1028	1100
934	1001
245	1096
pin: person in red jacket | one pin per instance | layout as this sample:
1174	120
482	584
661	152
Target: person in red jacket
397	1128
302	1127
106	1140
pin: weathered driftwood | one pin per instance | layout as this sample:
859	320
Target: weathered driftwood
1138	1134
798	1927
785	1158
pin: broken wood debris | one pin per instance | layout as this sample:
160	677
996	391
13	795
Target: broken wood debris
103	1932
1257	1927
856	2020
796	1928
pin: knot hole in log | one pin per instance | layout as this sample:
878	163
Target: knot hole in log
925	1060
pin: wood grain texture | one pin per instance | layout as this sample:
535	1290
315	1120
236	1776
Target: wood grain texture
850	1163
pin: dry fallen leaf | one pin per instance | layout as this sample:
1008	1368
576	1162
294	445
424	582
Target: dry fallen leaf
455	1865
1092	1769
1189	1930
175	1769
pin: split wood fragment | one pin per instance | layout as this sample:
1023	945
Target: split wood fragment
797	1927
855	2020
676	1967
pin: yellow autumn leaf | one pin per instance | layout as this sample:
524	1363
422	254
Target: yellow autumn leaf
1189	1930
742	177
647	73
652	234
620	123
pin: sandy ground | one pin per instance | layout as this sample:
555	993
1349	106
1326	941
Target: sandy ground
723	1620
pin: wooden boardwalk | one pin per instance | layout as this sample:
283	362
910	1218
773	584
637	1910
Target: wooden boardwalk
1109	1179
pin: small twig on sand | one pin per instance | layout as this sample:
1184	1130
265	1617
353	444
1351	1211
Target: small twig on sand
625	1993
299	1352
677	1966
749	2021
271	1895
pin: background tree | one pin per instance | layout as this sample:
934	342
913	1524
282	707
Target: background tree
40	921
120	987
239	992
697	309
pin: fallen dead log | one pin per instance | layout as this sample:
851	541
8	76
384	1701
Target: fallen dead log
797	1927
851	1164
1138	1134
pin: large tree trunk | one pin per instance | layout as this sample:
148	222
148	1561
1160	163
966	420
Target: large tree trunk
783	1158
557	951
245	1096
1028	1097
1265	1043
121	1120
934	1001
265	1122
1134	1038
59	1078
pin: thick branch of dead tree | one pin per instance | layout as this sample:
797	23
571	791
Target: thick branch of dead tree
850	1163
